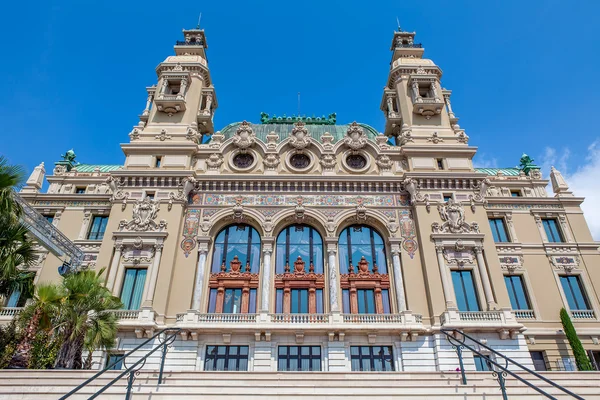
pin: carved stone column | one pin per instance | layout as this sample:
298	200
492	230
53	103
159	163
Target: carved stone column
390	106
265	297
200	269
149	291
182	87
148	103
220	298
85	226
334	305
485	278
446	282
208	103
398	279
114	266
449	105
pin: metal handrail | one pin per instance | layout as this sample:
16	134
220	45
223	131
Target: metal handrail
131	370
459	344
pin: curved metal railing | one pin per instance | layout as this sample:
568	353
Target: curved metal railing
457	338
135	368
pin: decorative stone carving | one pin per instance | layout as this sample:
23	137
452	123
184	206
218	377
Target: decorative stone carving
327	140
138	243
144	214
116	186
361	210
435	138
134	134
192	133
238	209
384	162
214	161
162	136
271	161
299	209
300	137
327	162
244	136
216	140
411	185
382	142
462	137
355	137
565	263
272	139
453	217
59	170
511	263
559	185
405	135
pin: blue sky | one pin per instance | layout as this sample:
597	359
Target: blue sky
523	73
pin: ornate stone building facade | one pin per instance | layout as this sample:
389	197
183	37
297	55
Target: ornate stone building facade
300	243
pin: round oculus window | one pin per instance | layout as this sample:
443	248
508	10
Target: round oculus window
300	161
243	160
356	161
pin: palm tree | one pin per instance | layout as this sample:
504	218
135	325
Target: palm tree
11	177
101	335
84	309
16	249
38	315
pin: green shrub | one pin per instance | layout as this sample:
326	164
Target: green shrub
9	339
44	350
581	359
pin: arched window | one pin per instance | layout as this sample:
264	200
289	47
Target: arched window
235	267
363	271
242	241
359	241
299	279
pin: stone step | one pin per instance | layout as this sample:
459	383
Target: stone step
25	385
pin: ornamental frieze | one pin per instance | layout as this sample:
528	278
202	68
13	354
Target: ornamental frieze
291	200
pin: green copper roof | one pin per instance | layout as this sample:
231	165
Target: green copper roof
283	130
494	171
92	167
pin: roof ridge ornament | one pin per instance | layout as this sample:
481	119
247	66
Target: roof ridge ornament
273	119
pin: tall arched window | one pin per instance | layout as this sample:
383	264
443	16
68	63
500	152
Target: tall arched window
363	271
235	267
299	279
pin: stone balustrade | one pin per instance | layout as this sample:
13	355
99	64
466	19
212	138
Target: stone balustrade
8	313
583	314
524	314
502	321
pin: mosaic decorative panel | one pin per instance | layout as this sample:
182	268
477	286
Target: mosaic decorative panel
292	200
403	199
190	230
525	206
209	212
408	233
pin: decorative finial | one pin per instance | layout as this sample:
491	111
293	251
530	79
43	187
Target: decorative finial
398	22
559	185
199	18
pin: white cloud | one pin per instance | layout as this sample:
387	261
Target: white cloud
582	180
483	161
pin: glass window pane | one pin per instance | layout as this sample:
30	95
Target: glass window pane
319	295
564	280
304	301
385	296
212	301
346	301
470	293
252	301
279	301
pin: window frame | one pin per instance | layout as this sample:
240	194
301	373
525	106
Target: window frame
525	289
547	229
372	358
226	358
475	281
496	236
582	289
299	357
137	269
98	235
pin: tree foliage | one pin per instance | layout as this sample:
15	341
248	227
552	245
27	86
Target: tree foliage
581	359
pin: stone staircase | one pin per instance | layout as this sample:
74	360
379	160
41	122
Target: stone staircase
41	385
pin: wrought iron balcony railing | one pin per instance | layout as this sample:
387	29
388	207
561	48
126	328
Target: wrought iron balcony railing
184	43
409	45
